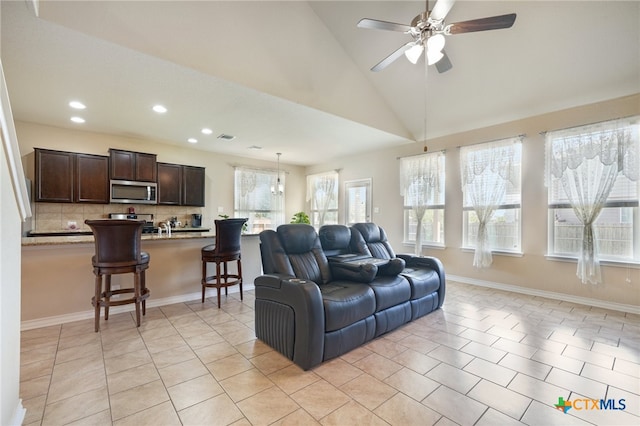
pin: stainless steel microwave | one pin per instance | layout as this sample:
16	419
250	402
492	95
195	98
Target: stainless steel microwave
126	191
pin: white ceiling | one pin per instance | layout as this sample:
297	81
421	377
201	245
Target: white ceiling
293	76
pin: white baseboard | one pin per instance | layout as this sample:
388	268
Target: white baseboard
548	294
18	414
151	303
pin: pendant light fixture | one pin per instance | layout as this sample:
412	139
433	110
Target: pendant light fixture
278	189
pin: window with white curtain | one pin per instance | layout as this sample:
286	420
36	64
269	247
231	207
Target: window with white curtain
322	196
422	183
592	175
257	197
490	175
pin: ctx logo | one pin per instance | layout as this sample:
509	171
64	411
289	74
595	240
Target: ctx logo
590	404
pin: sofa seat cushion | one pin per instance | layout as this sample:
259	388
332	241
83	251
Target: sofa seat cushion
390	291
423	281
346	303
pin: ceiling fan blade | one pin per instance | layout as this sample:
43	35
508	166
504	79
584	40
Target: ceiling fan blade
375	24
482	24
389	59
440	10
444	64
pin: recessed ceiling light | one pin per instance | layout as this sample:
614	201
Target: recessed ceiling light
192	140
206	131
77	105
255	147
77	119
160	109
226	137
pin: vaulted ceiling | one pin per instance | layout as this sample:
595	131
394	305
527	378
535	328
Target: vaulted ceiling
294	76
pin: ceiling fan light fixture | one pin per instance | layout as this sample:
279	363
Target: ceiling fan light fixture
434	56
414	53
436	43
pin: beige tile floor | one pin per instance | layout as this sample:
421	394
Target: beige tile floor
487	358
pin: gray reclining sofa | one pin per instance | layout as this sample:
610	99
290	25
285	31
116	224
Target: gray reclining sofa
319	300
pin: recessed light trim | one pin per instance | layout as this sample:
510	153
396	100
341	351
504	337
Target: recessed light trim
226	137
78	120
160	109
192	140
77	105
206	131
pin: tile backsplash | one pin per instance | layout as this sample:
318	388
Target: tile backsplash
49	217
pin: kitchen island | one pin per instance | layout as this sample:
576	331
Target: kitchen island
57	276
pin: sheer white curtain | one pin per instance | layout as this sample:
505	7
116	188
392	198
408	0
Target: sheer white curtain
587	161
255	200
486	170
322	194
420	177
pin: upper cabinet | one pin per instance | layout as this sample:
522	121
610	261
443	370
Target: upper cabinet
193	186
129	165
68	177
181	185
54	176
169	184
91	179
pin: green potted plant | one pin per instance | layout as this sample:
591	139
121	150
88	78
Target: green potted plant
300	217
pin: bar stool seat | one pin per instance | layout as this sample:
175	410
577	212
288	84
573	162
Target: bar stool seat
226	249
118	251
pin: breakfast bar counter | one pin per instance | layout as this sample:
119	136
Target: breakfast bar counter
81	237
57	275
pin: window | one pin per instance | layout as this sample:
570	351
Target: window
490	174
257	197
322	195
357	201
593	186
422	186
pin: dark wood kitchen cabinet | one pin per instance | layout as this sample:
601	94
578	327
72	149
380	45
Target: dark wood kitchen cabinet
193	179
69	177
135	166
181	185
169	184
91	179
54	176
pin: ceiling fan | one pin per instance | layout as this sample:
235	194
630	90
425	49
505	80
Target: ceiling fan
428	30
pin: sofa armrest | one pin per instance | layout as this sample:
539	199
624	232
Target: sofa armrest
359	271
280	299
434	263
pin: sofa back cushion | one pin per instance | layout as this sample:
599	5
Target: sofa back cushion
294	249
369	238
335	239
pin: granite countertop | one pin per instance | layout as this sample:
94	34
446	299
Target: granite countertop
80	237
84	238
76	232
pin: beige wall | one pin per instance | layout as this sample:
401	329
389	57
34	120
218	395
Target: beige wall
218	174
532	271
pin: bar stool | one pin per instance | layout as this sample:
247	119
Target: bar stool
118	252
226	249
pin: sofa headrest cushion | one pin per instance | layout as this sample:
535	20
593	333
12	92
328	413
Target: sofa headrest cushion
334	237
297	238
370	231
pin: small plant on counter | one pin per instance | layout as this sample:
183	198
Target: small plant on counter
300	217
